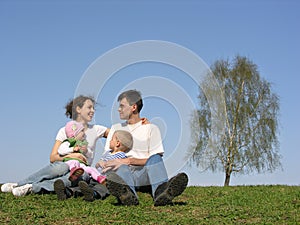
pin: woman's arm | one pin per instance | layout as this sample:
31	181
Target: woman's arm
54	156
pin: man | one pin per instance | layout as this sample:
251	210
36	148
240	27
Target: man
144	165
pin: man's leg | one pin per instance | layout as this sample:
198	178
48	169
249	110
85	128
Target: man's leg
62	186
126	174
93	191
123	191
164	191
156	171
118	188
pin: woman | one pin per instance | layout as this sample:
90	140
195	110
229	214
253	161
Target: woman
82	110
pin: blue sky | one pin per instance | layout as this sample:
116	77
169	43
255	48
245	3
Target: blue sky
46	47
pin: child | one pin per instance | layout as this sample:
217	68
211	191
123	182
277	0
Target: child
120	144
76	142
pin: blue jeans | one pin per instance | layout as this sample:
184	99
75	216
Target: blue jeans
153	173
45	177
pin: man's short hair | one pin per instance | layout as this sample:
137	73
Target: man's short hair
133	97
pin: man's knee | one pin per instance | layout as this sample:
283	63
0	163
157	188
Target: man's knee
154	159
123	169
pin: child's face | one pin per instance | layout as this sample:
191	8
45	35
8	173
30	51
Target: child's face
80	136
113	142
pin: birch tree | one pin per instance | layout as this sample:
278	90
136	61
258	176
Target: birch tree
250	141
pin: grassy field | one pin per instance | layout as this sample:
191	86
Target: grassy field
197	205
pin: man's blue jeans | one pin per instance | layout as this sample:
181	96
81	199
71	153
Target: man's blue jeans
153	173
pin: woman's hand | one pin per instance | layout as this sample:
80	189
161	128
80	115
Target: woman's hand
76	155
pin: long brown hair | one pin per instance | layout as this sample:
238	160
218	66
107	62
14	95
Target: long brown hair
74	103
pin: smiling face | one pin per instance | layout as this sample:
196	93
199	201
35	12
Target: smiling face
86	112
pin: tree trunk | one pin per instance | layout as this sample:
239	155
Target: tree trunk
227	179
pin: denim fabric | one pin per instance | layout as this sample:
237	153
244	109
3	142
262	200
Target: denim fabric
153	173
50	171
45	177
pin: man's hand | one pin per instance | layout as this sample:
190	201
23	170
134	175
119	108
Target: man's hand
114	164
100	164
145	121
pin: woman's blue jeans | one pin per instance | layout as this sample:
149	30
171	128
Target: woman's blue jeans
45	177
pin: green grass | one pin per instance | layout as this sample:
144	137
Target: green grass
197	205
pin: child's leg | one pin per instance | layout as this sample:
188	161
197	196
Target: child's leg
72	164
75	169
95	174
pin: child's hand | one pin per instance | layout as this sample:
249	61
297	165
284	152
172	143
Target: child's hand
83	149
76	148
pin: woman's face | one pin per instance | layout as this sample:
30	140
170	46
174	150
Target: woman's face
86	113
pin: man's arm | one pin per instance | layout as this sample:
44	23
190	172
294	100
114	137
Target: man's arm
136	162
116	163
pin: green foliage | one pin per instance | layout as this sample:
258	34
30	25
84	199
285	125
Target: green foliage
197	205
250	140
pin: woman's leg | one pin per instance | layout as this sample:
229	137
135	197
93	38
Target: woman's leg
50	171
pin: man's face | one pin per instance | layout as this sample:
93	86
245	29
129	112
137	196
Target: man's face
125	110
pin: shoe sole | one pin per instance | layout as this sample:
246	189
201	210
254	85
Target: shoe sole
76	174
59	188
119	189
88	193
175	187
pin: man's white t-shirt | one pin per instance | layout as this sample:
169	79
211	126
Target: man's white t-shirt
93	133
146	139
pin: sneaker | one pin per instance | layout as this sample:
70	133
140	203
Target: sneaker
75	173
8	187
60	189
22	190
167	191
118	188
88	193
